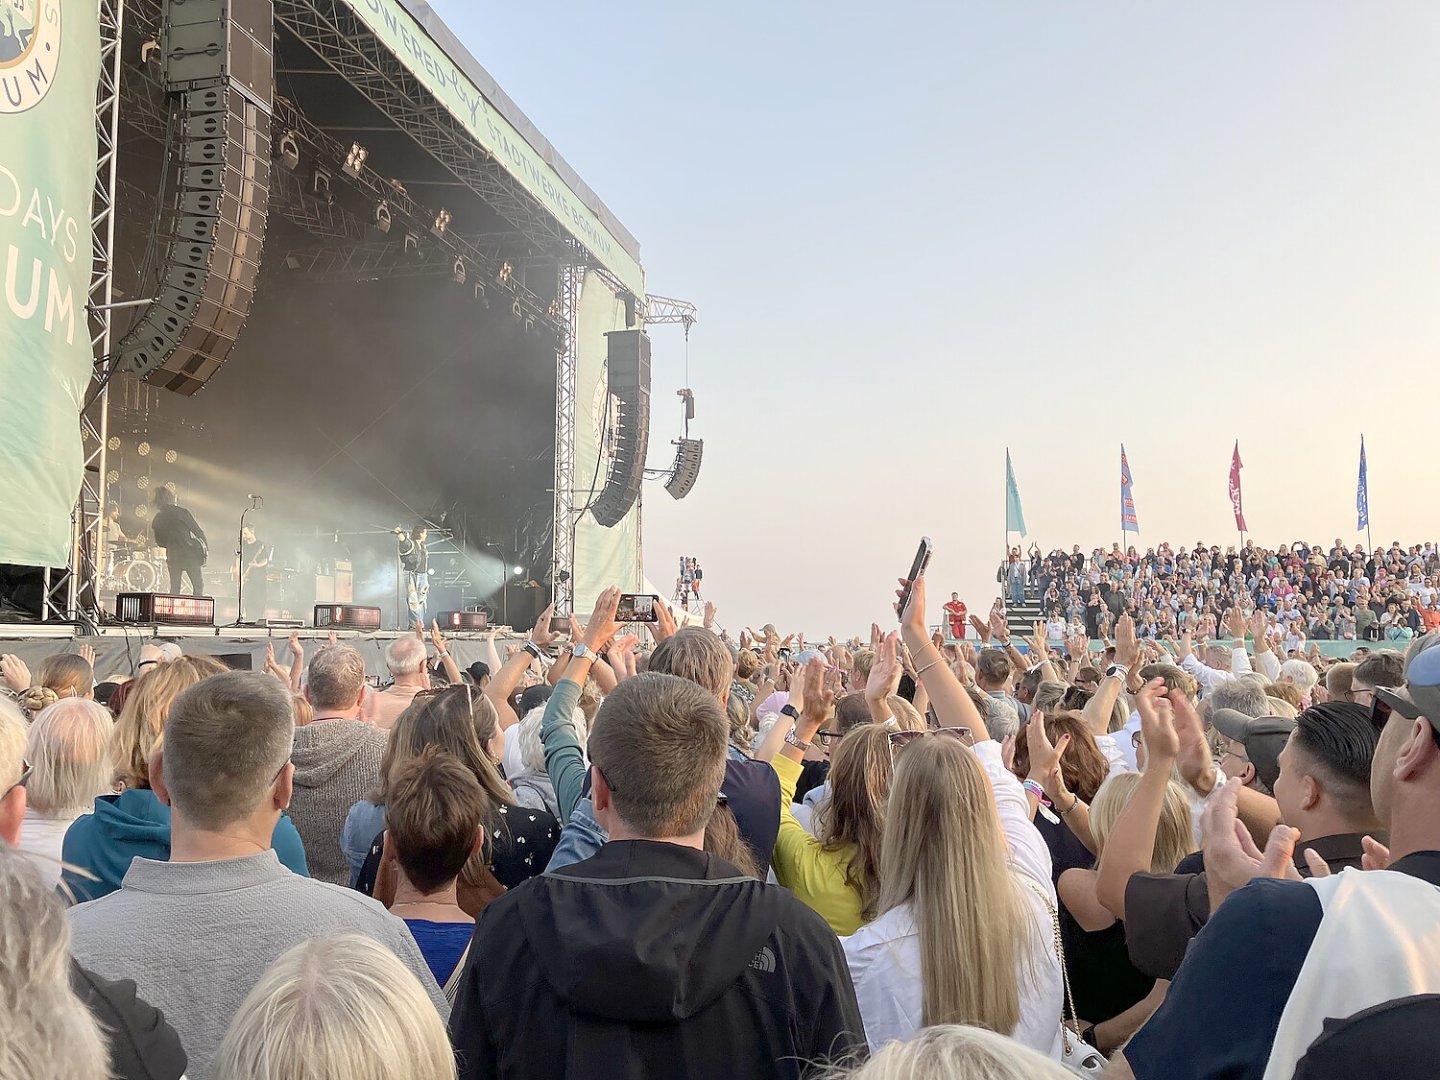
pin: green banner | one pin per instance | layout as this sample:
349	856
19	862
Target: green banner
49	67
404	37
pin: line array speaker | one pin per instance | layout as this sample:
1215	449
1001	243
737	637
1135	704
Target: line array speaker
687	467
219	73
628	363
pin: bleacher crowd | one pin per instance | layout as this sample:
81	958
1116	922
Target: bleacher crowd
1200	851
1308	592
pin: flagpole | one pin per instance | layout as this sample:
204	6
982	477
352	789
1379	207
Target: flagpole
1369	545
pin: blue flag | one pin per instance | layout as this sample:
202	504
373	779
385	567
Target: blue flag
1014	516
1362	493
1128	521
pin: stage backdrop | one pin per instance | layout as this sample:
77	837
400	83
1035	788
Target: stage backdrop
602	556
49	67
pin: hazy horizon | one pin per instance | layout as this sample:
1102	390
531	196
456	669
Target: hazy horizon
920	234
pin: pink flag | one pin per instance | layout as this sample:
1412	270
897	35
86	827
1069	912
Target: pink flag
1235	466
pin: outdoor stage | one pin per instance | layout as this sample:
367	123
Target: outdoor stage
118	647
423	340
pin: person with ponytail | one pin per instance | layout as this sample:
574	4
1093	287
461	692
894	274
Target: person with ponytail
966	931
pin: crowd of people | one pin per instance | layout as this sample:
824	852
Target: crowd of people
1308	592
705	856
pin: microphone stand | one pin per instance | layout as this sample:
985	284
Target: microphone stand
256	503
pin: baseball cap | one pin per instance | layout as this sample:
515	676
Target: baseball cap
1421	694
1264	737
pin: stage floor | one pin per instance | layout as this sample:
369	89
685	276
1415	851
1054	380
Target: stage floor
118	647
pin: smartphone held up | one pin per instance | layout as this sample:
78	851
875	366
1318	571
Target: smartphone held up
917	571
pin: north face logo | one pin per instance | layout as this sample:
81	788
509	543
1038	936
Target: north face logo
764	960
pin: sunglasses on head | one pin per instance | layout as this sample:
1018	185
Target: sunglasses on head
901	739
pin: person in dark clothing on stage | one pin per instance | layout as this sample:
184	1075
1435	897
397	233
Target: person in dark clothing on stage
415	561
186	548
653	957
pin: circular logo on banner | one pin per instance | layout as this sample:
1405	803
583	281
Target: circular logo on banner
29	52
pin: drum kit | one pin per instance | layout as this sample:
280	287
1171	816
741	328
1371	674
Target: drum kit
134	566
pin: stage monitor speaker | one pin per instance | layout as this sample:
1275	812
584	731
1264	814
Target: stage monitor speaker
219	75
165	608
628	364
687	467
347	617
464	620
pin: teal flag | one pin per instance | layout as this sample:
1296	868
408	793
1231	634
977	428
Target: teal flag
1014	516
49	67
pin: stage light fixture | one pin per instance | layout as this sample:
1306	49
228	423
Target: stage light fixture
171	457
515	311
480	295
355	160
412	246
143	449
113	442
554	309
529	325
150	53
458	271
113	476
506	272
382	216
518	571
143	483
288	150
320	185
142	511
441	224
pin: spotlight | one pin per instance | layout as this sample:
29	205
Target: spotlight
506	270
355	160
480	295
113	476
320	185
288	150
412	245
515	311
113	442
143	449
554	309
442	223
171	457
458	271
150	52
142	482
518	571
382	216
142	511
529	325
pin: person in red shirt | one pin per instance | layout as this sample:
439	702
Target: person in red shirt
955	612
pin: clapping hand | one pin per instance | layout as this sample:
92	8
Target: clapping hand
664	627
1231	858
87	653
14	674
542	637
1044	755
1157	725
885	673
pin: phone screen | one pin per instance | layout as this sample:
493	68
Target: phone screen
560	624
637	607
917	571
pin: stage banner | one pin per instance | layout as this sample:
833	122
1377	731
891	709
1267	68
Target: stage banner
412	45
49	67
603	556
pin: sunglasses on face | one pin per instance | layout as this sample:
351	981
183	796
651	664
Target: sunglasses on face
902	739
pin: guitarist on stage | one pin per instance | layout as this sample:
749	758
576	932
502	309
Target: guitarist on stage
186	549
254	571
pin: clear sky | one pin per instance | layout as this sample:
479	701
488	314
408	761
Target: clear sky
920	232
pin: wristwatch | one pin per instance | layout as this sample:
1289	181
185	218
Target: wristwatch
581	651
1117	669
533	649
795	741
789	710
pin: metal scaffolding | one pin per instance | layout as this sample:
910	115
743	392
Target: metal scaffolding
562	570
75	596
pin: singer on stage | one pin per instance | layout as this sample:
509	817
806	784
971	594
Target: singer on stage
253	569
415	562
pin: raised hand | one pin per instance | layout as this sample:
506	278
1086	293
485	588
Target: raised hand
621	657
664	622
602	627
1127	645
982	629
1039	643
87	653
885	672
709	623
816	698
332	639
1157	725
1077	648
999	628
1232	860
542	636
1044	755
293	644
436	638
420	629
14	674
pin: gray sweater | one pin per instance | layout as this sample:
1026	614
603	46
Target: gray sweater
196	937
337	763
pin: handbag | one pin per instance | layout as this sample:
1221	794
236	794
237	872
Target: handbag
1076	1054
452	984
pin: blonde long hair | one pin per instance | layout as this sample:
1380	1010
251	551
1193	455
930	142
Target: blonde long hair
944	855
140	728
853	817
1174	836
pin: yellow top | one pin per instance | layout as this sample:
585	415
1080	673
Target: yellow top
813	873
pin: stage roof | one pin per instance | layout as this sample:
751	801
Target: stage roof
418	38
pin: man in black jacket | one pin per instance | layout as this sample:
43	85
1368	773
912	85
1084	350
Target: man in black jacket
653	958
174	528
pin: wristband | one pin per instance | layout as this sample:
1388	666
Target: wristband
533	649
1034	789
